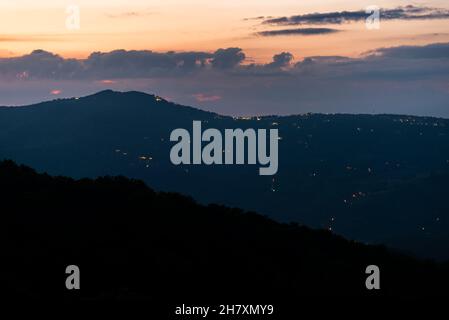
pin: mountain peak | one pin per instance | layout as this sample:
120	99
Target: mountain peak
106	93
109	93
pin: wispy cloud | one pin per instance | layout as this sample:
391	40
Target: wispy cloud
31	38
257	18
130	14
298	31
202	97
108	82
409	12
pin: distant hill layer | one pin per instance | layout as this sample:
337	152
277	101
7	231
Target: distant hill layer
133	243
377	179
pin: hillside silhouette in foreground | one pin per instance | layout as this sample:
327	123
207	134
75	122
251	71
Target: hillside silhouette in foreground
131	242
379	179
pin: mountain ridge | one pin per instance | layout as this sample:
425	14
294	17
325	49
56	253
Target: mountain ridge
333	169
131	242
109	93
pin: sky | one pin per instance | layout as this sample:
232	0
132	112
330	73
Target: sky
237	57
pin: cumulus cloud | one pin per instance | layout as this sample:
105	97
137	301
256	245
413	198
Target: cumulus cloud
409	12
396	64
227	58
281	60
40	64
118	64
122	64
432	51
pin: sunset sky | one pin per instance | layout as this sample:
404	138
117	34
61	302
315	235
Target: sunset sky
203	27
164	25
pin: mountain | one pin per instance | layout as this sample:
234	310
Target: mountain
131	242
372	178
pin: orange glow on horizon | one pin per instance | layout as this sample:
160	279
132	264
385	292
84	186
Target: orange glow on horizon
174	25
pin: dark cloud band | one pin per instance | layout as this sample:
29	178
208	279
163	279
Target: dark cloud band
118	64
299	31
122	64
409	12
